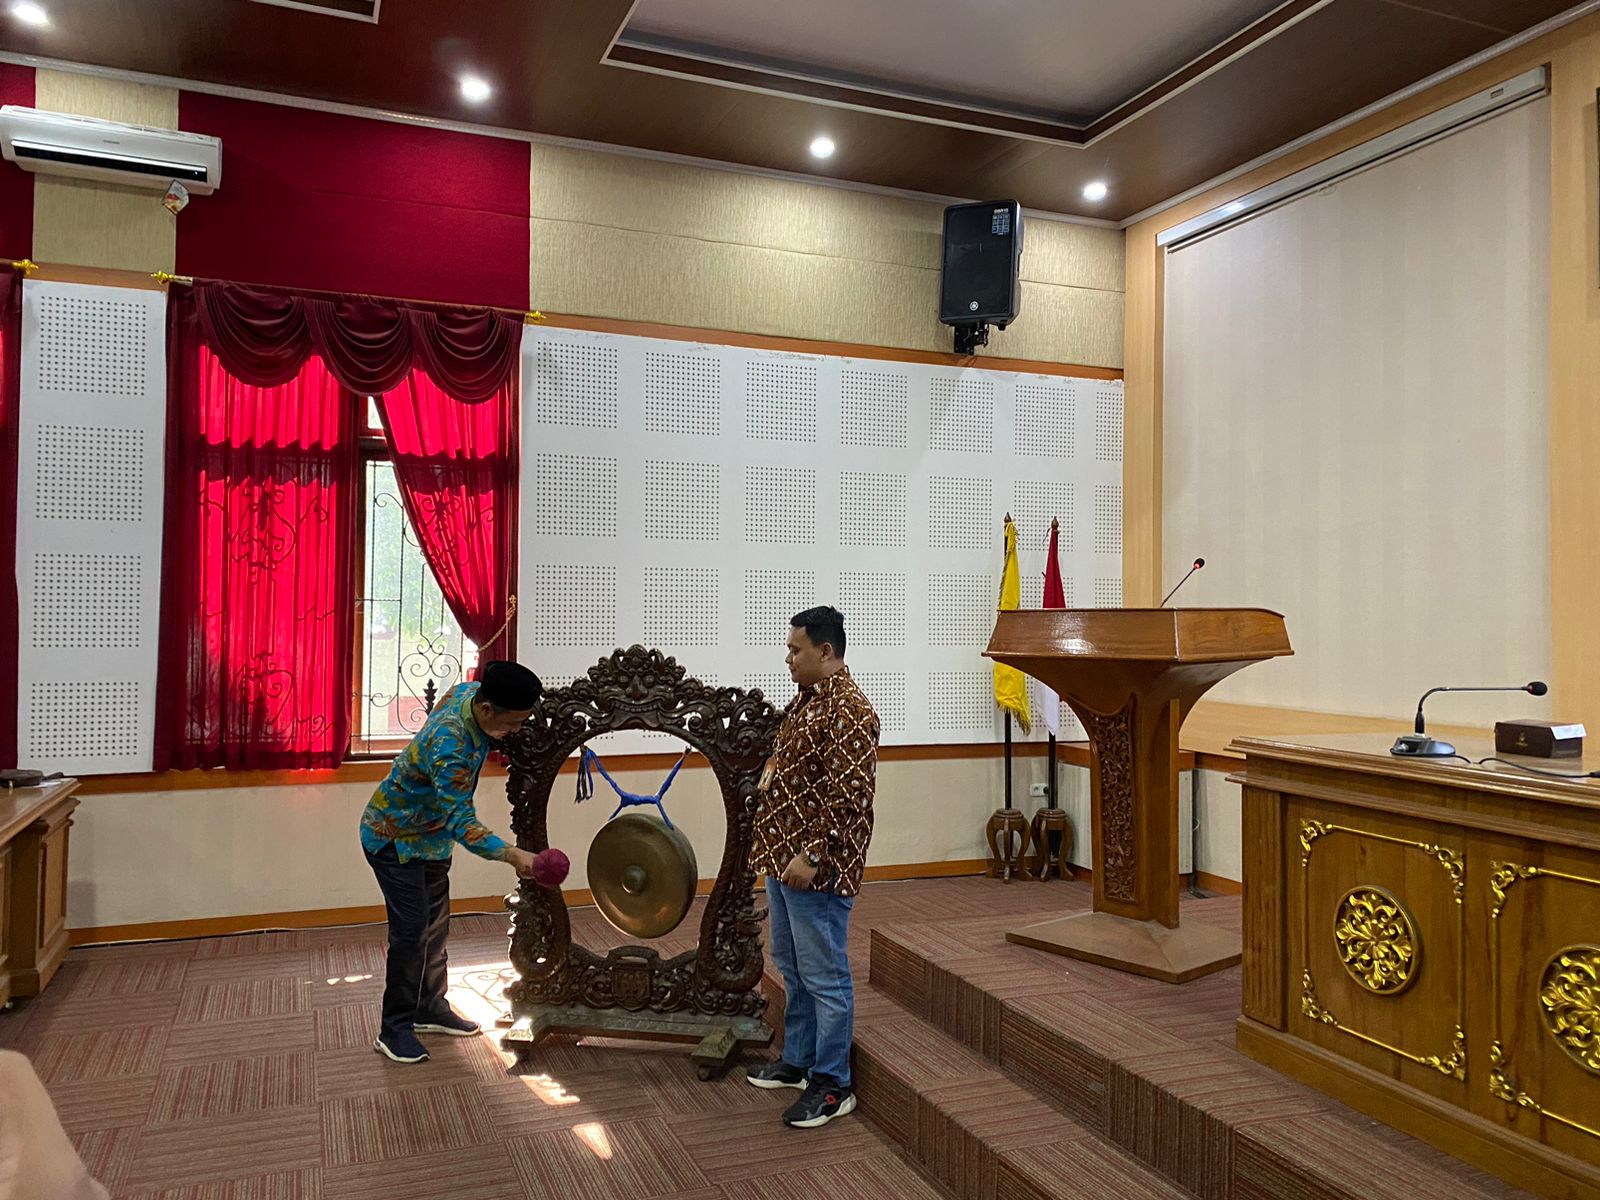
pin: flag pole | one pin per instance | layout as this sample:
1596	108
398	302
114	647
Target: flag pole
1008	762
1050	783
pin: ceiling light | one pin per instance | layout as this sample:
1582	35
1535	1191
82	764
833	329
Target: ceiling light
1233	206
475	89
30	13
1095	191
822	147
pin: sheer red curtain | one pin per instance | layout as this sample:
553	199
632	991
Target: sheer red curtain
456	465
10	384
261	518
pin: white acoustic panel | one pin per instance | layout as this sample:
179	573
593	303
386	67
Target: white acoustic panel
683	392
1037	502
568	604
740	486
1046	418
780	505
962	413
961	702
574	386
771	600
577	495
681	607
1108	423
872	408
887	692
961	610
875	602
682	501
781	400
92	724
90	483
1108	518
87	602
1108	593
961	514
775	686
89	473
872	509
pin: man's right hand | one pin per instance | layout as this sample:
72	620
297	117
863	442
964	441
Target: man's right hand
521	860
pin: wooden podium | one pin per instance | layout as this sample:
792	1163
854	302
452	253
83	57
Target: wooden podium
1131	675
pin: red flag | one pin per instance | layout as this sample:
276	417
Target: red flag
1055	596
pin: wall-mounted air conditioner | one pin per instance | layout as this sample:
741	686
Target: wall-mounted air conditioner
89	148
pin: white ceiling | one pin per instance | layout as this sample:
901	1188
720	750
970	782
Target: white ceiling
1059	57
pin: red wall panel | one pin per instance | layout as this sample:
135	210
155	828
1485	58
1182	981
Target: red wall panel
16	185
348	204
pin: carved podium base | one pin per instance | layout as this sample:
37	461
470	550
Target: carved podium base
720	1039
1145	948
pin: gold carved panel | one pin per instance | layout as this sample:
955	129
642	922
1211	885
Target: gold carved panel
1544	978
1389	911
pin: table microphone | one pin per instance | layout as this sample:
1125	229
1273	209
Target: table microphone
1198	563
1418	745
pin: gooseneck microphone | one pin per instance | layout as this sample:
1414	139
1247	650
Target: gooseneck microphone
1198	563
1419	745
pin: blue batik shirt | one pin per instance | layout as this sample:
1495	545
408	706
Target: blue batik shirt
425	805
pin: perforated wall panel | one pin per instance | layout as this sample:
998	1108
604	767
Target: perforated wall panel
694	497
771	600
781	401
92	420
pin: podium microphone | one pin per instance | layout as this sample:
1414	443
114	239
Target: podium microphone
1198	563
1419	745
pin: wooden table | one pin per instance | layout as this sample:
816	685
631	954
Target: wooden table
35	824
1422	941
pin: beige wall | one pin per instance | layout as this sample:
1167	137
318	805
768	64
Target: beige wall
95	225
637	239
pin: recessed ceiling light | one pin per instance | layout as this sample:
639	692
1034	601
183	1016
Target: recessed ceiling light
30	13
1095	191
475	89
822	147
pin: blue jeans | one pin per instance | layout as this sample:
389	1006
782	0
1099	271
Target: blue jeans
417	896
808	933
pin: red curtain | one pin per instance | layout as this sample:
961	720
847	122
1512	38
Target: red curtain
10	383
265	390
259	621
457	469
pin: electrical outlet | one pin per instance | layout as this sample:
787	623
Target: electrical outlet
1038	790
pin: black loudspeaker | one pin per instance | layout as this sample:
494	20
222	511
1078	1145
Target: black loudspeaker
982	253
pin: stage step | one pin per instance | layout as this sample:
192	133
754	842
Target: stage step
973	1129
1143	1067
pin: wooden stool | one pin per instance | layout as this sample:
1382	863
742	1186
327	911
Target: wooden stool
1048	823
1006	859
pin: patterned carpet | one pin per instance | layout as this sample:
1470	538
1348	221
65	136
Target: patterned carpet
241	1068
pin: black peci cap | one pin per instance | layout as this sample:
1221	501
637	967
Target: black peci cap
509	685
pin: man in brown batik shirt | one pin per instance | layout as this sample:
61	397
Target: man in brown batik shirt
811	840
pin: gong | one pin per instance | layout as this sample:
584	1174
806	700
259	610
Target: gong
642	873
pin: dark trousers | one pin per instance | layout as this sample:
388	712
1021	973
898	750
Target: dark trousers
417	895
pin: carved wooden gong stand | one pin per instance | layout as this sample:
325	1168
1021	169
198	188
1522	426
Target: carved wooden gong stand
711	993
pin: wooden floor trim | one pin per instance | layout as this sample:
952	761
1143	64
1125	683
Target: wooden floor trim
371	914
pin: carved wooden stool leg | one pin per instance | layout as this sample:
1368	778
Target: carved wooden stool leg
1048	855
1007	858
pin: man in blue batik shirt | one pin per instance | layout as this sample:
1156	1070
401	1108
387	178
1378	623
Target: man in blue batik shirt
410	828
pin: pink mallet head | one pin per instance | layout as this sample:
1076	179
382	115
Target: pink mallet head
550	867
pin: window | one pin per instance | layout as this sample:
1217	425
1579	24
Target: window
409	649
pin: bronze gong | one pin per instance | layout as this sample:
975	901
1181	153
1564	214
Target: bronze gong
642	873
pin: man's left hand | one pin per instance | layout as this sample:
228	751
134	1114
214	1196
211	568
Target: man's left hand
799	873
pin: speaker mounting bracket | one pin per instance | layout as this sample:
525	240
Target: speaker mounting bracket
970	337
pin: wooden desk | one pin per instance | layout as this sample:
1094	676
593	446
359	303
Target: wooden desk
1422	941
35	824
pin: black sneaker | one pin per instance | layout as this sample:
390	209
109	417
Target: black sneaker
775	1075
823	1101
401	1047
450	1022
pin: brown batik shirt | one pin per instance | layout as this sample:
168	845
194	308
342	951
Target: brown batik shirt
818	785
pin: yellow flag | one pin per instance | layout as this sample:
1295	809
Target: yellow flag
1010	685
